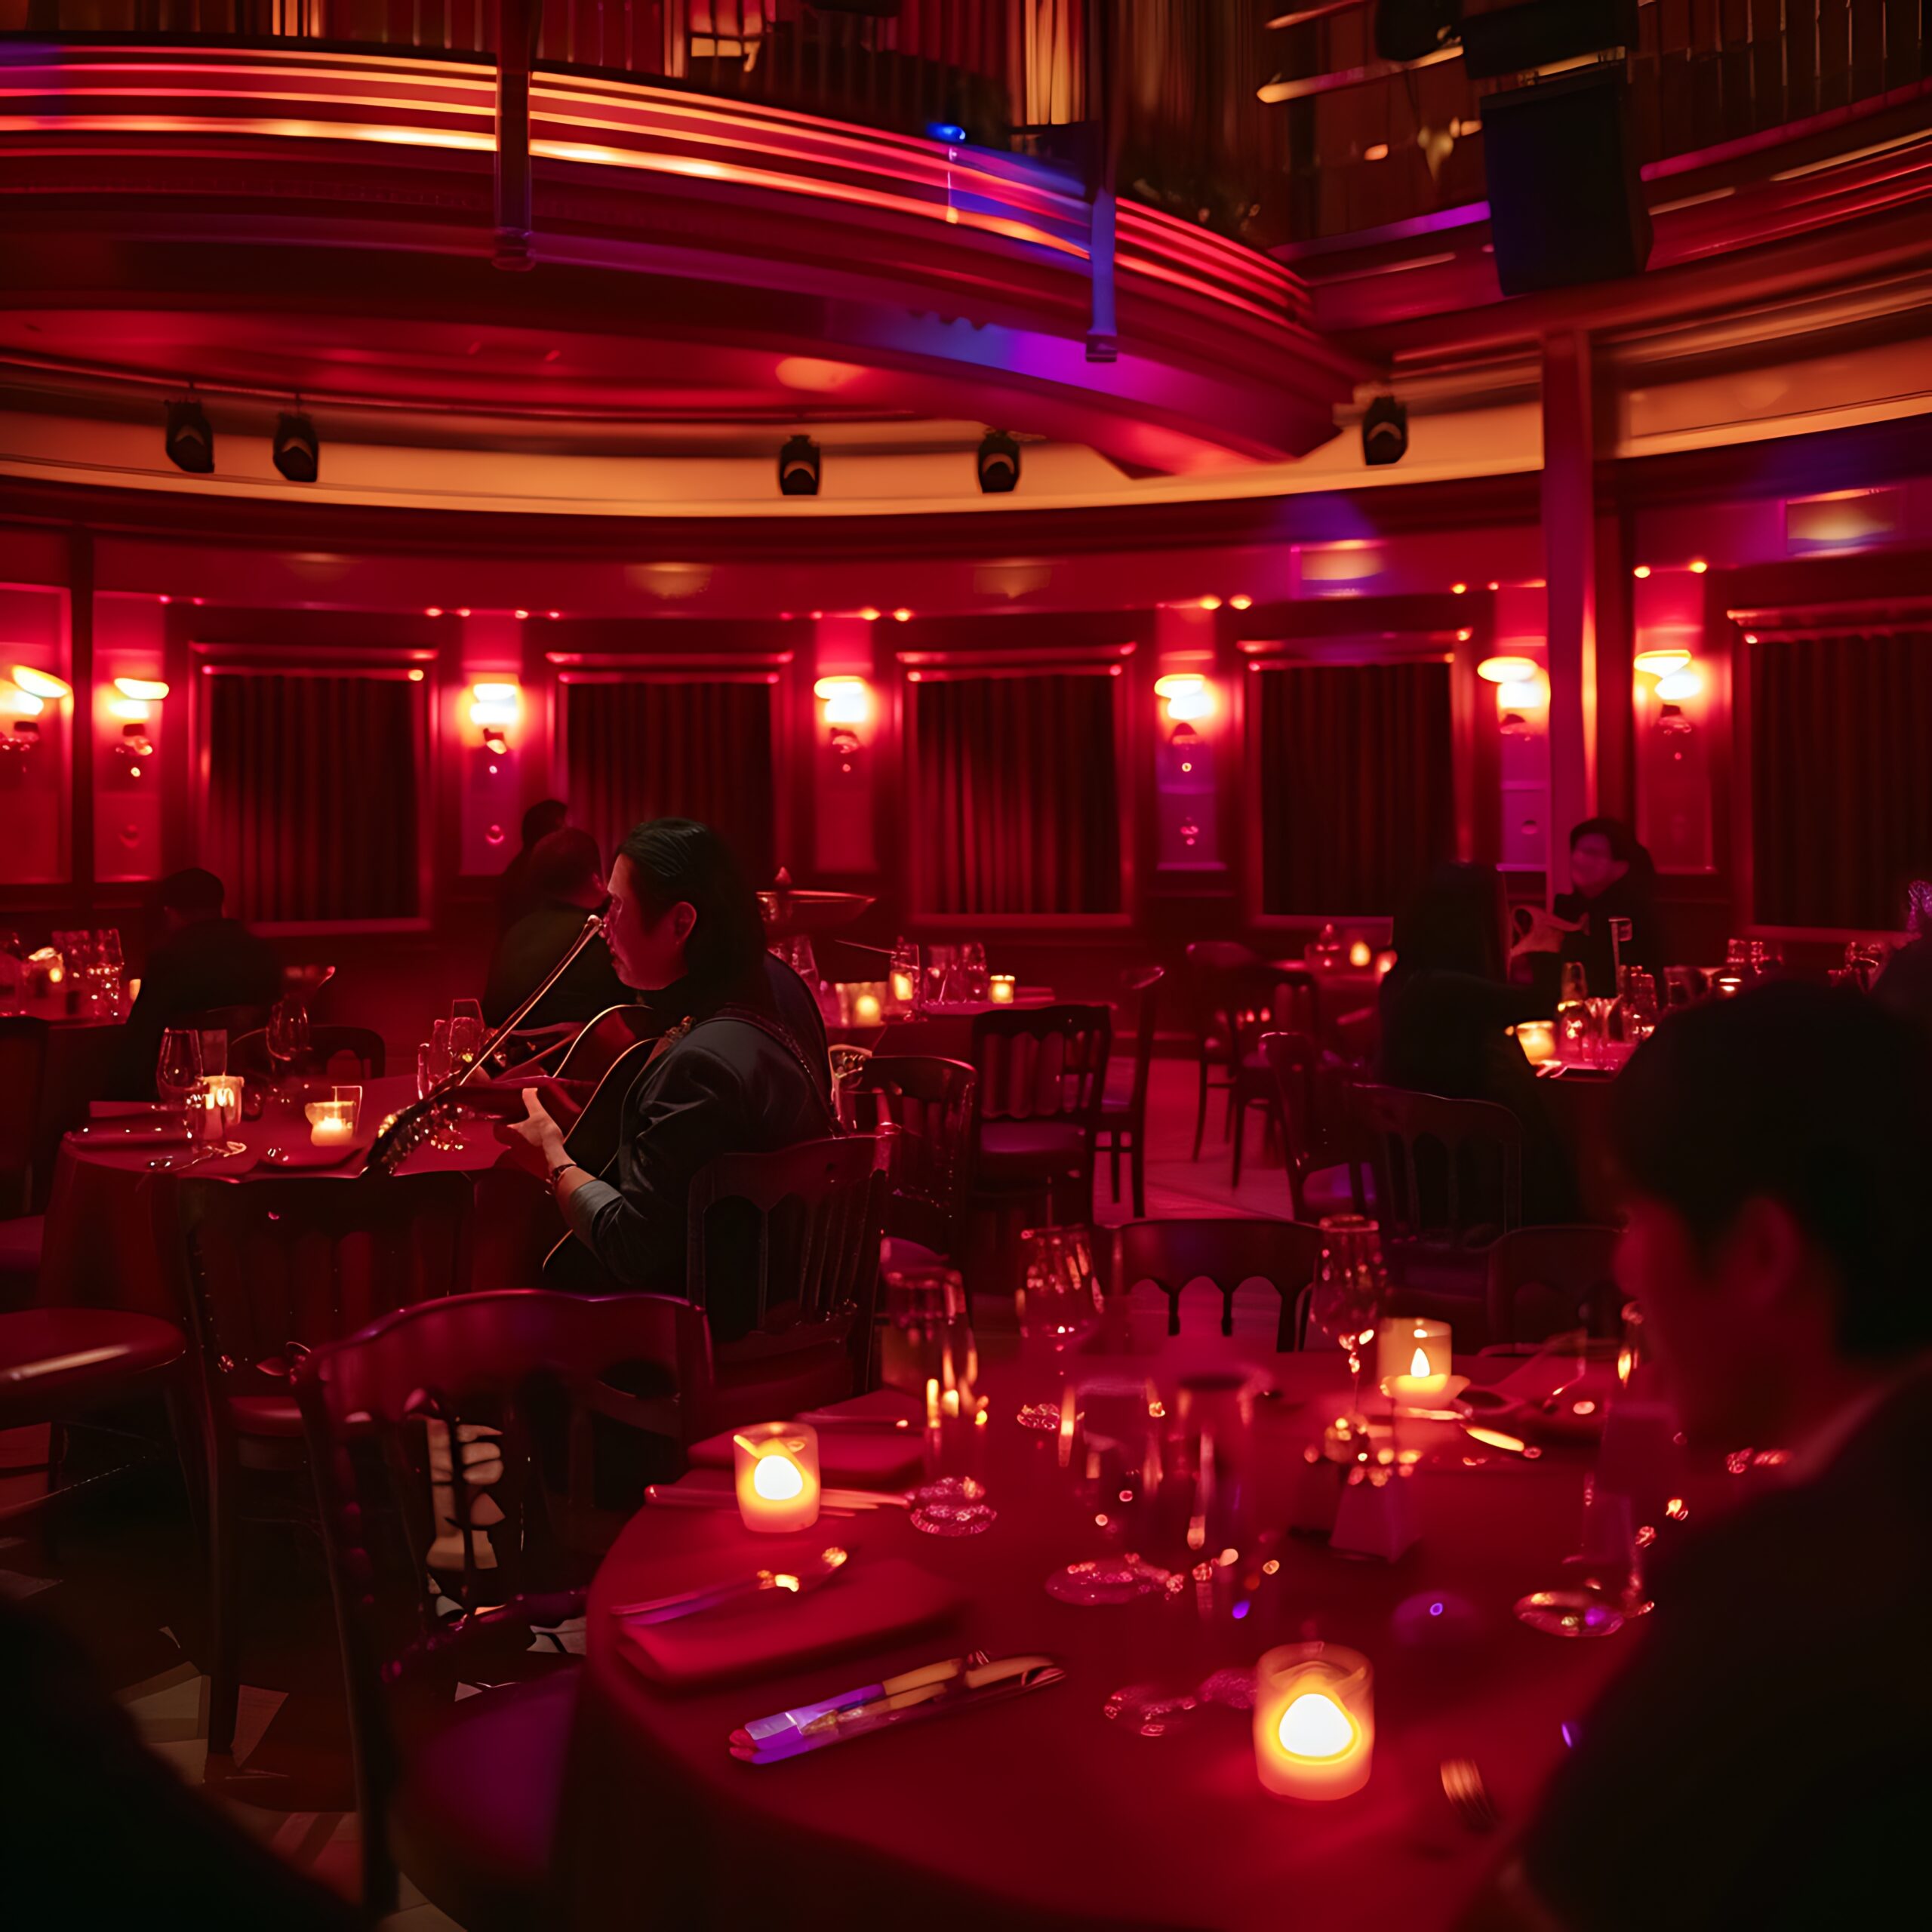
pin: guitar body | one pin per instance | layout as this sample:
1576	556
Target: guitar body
592	1143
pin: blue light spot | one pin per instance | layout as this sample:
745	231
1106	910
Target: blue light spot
1240	1608
948	131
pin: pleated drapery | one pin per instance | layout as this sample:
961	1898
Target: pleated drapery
689	749
1015	795
1841	777
1356	781
314	791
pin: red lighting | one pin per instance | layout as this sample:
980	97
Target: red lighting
1456	589
433	611
520	615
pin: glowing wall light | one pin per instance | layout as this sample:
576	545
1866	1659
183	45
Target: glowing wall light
496	709
1508	670
1189	697
1659	663
1679	684
847	702
42	684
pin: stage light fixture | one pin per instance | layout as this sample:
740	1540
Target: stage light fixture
190	442
298	450
1385	432
798	465
997	464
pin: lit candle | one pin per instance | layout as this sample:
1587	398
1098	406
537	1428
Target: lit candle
867	1010
777	1465
1001	988
1313	1721
1360	955
332	1123
1537	1038
1413	1356
220	1108
905	988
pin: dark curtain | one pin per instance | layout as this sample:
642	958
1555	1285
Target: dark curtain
1357	784
660	750
313	795
1016	803
1841	778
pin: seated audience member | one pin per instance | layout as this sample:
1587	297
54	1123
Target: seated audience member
1760	1764
1445	1007
1612	877
568	875
201	961
99	1832
516	896
742	1069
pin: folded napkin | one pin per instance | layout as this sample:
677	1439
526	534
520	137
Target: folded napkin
872	1601
1547	1399
862	1458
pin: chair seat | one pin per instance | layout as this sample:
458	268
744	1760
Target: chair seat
475	1819
1014	1152
54	1358
20	1239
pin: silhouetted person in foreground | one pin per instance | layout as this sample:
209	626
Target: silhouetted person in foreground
567	875
515	895
202	961
1762	1762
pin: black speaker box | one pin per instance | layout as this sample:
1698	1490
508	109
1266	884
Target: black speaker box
1566	202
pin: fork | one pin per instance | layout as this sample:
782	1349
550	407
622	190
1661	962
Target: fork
1469	1796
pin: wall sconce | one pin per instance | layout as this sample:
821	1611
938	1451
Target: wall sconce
1521	687
134	704
848	709
496	706
1188	696
23	698
1677	680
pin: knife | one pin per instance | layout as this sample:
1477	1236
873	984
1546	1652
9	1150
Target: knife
932	1691
686	1603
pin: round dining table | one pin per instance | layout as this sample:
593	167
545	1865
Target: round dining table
101	1248
1043	1810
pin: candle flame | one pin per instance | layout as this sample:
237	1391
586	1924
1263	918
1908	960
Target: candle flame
1315	1726
777	1478
1419	1363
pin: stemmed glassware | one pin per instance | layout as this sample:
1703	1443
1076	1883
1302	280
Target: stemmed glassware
1348	1292
432	1068
465	1034
1059	1306
1601	1585
287	1037
177	1072
928	1350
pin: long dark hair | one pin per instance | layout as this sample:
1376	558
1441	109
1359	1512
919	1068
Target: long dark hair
677	859
1453	924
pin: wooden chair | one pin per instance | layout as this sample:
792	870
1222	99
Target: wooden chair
1254	1000
1173	1255
925	1105
443	1565
1041	1071
268	1270
1206	960
1545	1281
1124	1105
1310	1088
782	1277
1448	1180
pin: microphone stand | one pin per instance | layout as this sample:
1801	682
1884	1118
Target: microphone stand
401	1129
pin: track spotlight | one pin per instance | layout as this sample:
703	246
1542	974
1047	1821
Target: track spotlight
799	467
190	441
999	463
298	451
1385	432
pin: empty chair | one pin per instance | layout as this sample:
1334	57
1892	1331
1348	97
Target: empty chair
1310	1087
1040	1075
443	1565
1545	1281
1252	1000
1207	960
925	1106
1124	1105
1225	1253
268	1270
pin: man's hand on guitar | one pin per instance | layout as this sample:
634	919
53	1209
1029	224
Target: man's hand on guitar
536	1140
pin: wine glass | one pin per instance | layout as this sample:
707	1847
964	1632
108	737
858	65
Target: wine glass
1637	1003
1601	1586
1349	1290
465	1031
1059	1306
287	1036
432	1068
177	1072
972	960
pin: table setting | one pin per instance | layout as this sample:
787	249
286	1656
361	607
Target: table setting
1289	1624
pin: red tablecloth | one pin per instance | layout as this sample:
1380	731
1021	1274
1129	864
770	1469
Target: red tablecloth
100	1249
1042	1812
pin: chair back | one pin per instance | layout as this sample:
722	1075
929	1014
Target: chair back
1206	961
782	1259
23	1072
1173	1254
442	1564
1312	1084
1250	1001
924	1108
248	1053
1144	982
1041	1063
1446	1171
1545	1282
605	1040
269	1269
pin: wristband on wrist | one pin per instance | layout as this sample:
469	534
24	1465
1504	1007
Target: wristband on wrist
561	1169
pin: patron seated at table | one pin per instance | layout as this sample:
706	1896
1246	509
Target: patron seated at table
743	1068
201	961
1762	1763
1612	878
567	875
1446	1008
515	893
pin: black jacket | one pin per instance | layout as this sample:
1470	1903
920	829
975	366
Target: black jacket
1631	897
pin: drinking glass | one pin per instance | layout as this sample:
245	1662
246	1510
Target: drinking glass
465	1034
177	1072
928	1334
432	1068
1637	1005
1108	1455
1059	1306
214	1049
287	1036
973	967
902	980
1680	986
1348	1292
1602	1584
214	1114
1574	983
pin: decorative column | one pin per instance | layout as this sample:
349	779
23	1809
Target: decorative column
1570	568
